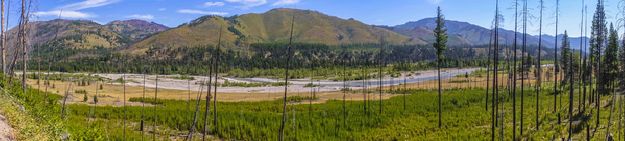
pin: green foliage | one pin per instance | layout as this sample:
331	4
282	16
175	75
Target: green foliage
182	77
147	100
246	84
80	91
310	85
440	32
260	120
598	38
566	53
82	78
95	99
85	98
610	61
252	61
300	98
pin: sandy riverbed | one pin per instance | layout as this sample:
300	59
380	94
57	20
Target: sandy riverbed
296	85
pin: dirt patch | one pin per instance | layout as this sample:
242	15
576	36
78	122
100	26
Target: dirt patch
6	132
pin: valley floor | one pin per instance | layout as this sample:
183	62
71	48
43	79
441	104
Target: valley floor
172	87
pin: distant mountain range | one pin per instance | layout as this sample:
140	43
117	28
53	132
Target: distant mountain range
272	26
466	34
88	34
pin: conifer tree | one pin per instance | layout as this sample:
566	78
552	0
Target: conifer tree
597	42
610	59
440	32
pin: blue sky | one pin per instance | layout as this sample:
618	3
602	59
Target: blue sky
379	12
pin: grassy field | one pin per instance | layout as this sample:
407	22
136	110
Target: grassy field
111	93
464	118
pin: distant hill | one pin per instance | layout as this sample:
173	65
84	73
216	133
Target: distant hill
466	34
273	26
136	29
88	34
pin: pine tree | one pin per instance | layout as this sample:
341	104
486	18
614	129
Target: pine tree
566	47
621	73
581	106
597	42
610	59
440	32
566	53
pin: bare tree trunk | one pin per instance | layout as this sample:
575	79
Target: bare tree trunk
142	129
217	60
539	67
404	93
155	117
582	102
514	71
124	100
195	114
380	76
570	75
23	44
47	80
3	39
213	65
208	97
523	62
344	88
495	70
286	83
556	66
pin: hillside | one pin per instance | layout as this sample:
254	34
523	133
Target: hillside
85	34
467	34
136	30
272	26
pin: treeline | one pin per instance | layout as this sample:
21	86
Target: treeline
194	60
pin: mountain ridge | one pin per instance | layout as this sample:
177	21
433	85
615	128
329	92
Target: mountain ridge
472	35
273	26
270	26
87	34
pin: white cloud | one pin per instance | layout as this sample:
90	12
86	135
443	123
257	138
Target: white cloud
435	1
72	10
209	4
146	17
87	4
248	3
201	12
162	9
64	14
285	2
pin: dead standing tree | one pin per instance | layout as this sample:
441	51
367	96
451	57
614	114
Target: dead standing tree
286	82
